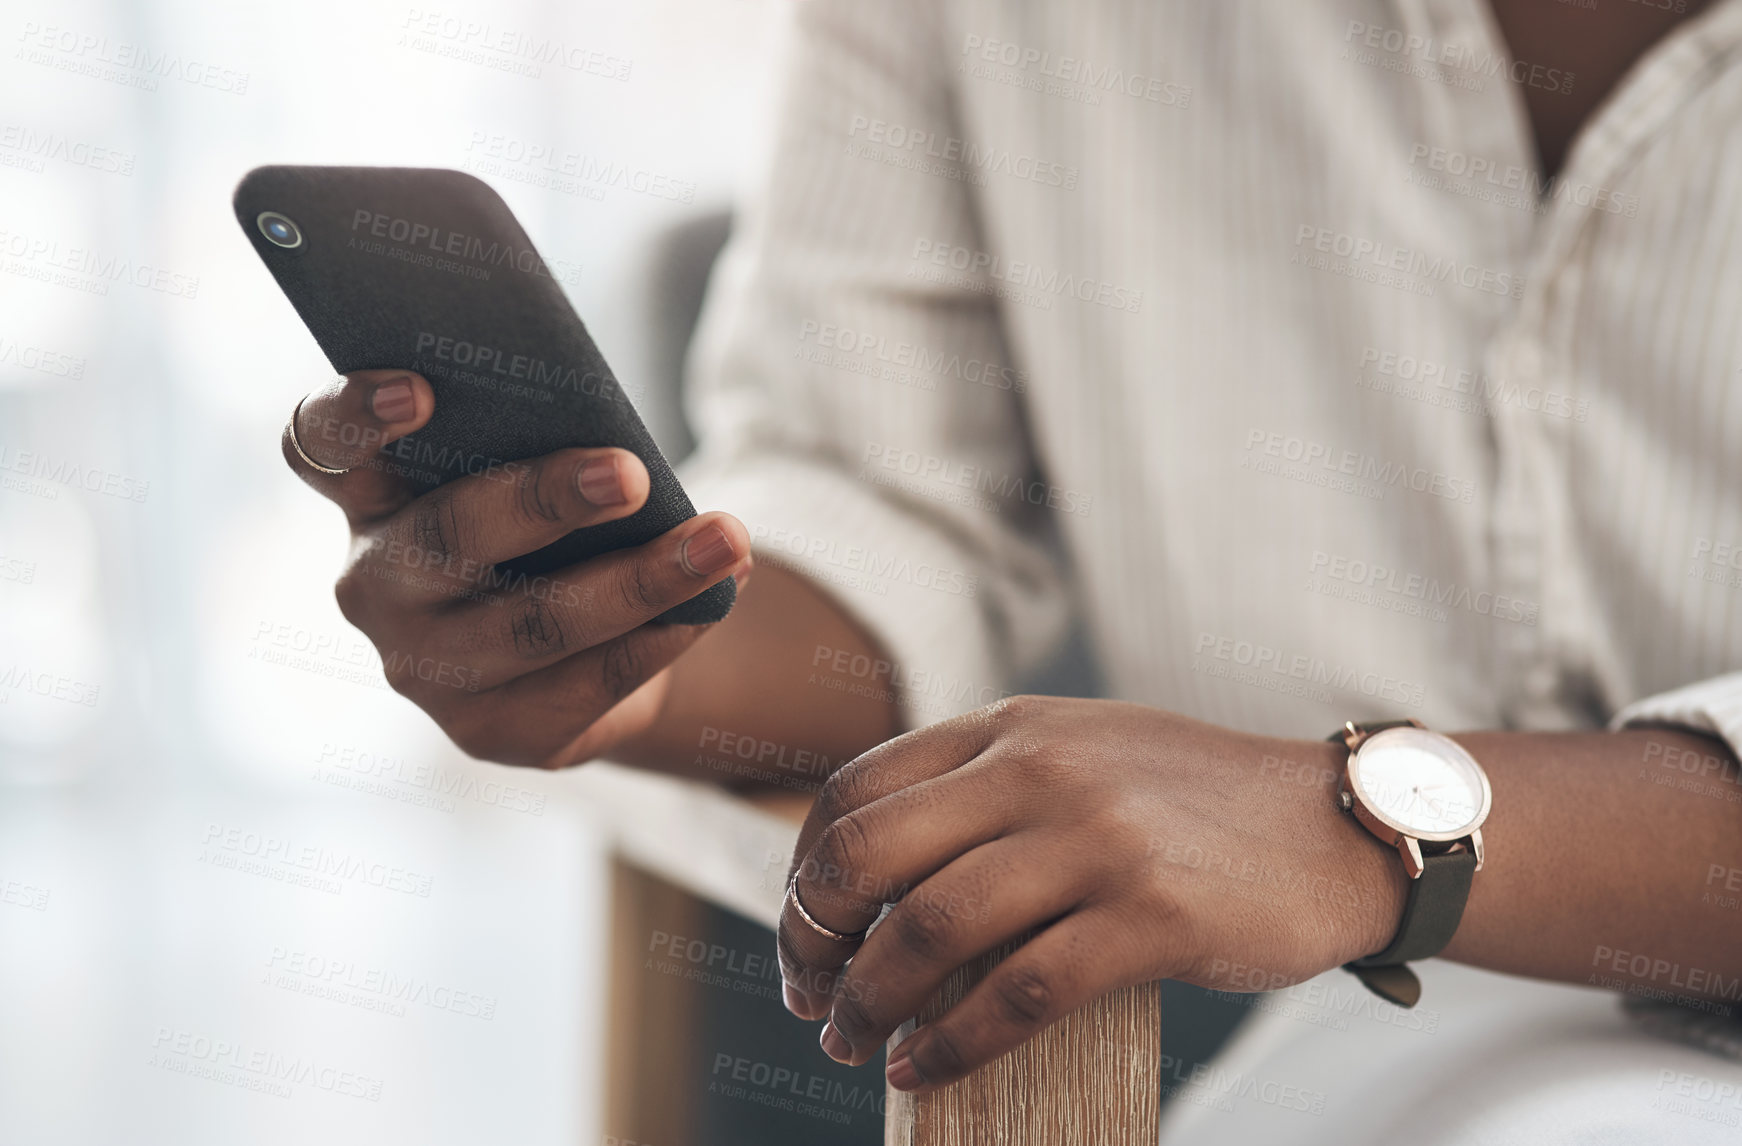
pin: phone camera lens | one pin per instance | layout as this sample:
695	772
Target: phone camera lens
279	230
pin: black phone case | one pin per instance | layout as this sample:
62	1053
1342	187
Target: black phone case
426	269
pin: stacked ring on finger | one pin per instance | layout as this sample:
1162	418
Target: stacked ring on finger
825	932
297	445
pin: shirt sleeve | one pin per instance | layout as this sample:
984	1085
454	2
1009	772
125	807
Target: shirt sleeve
861	417
1712	706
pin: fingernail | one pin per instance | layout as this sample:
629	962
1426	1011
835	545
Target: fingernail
834	1045
600	483
790	996
707	552
902	1074
393	401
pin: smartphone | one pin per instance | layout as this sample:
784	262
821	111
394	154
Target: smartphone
426	269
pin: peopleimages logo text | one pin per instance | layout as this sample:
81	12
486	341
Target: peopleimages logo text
1385	256
428	239
1026	275
502	363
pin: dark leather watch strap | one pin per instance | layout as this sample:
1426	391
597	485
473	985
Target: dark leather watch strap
1395	983
1430	918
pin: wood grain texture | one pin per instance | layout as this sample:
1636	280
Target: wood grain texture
1091	1079
650	1019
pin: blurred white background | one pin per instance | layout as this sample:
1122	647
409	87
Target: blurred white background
181	705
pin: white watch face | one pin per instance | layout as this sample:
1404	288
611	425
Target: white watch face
1421	782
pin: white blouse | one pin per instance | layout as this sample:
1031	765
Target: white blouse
1247	332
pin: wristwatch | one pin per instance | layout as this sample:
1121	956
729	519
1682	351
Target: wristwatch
1420	792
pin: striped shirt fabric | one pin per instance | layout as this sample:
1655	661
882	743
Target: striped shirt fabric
1249	334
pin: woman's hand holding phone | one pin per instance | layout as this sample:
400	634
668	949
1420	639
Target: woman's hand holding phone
542	671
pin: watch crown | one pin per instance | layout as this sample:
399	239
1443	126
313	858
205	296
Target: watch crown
1347	799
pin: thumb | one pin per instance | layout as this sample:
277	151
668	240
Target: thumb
343	426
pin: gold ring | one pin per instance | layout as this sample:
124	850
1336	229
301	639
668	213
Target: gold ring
825	932
302	453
